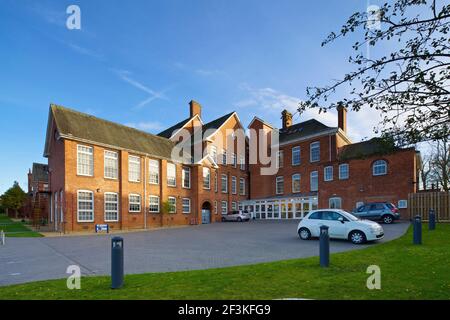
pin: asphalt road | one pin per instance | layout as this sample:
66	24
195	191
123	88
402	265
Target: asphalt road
195	247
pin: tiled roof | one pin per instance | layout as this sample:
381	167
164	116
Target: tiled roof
302	129
71	123
215	124
40	172
374	146
168	132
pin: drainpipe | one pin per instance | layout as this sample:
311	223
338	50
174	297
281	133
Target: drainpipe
145	193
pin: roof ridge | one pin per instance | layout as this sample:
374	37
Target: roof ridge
53	105
225	115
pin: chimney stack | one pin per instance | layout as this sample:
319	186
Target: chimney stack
342	116
286	117
195	108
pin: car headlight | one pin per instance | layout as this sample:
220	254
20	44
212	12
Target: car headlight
375	229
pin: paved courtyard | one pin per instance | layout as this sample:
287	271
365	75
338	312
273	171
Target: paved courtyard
194	247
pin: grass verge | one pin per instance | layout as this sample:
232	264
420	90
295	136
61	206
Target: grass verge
407	272
16	229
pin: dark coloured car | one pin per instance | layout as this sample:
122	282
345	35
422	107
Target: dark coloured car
378	211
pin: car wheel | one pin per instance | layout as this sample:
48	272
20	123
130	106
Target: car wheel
388	219
304	234
224	220
239	219
357	237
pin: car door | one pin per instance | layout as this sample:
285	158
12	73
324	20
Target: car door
337	229
362	212
375	211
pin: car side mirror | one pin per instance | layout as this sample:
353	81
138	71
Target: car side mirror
341	219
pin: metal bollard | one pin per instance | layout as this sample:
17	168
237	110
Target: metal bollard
2	238
432	220
116	262
324	247
417	230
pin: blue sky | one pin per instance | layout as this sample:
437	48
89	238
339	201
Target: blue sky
140	62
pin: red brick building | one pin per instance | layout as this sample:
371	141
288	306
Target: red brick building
37	203
319	167
101	172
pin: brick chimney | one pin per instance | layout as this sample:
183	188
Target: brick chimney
30	180
342	116
195	108
286	117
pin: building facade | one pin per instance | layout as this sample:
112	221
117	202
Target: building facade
105	173
100	172
319	167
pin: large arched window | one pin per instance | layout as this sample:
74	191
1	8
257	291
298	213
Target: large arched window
379	168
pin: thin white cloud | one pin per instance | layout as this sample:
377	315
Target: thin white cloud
271	102
146	126
83	50
153	95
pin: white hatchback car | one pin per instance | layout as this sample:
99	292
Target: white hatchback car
342	225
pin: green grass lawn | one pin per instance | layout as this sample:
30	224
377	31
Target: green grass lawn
407	272
16	229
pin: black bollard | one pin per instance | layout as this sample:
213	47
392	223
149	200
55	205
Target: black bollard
116	262
324	247
417	230
432	220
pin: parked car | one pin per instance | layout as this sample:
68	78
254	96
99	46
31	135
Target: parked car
379	211
342	225
236	215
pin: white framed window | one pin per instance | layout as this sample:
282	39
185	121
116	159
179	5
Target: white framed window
213	153
134	168
206	178
314	151
402	204
134	202
171	175
186	205
280	159
328	173
314	180
296	183
216	182
85	206
56	205
379	168
233	205
343	171
224	183
224	156
186	177
173	204
242	162
111	164
215	206
279	185
233	185
242	186
153	204
234	157
153	171
111	206
335	203
85	161
224	207
296	156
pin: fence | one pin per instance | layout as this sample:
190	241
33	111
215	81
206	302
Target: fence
421	203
